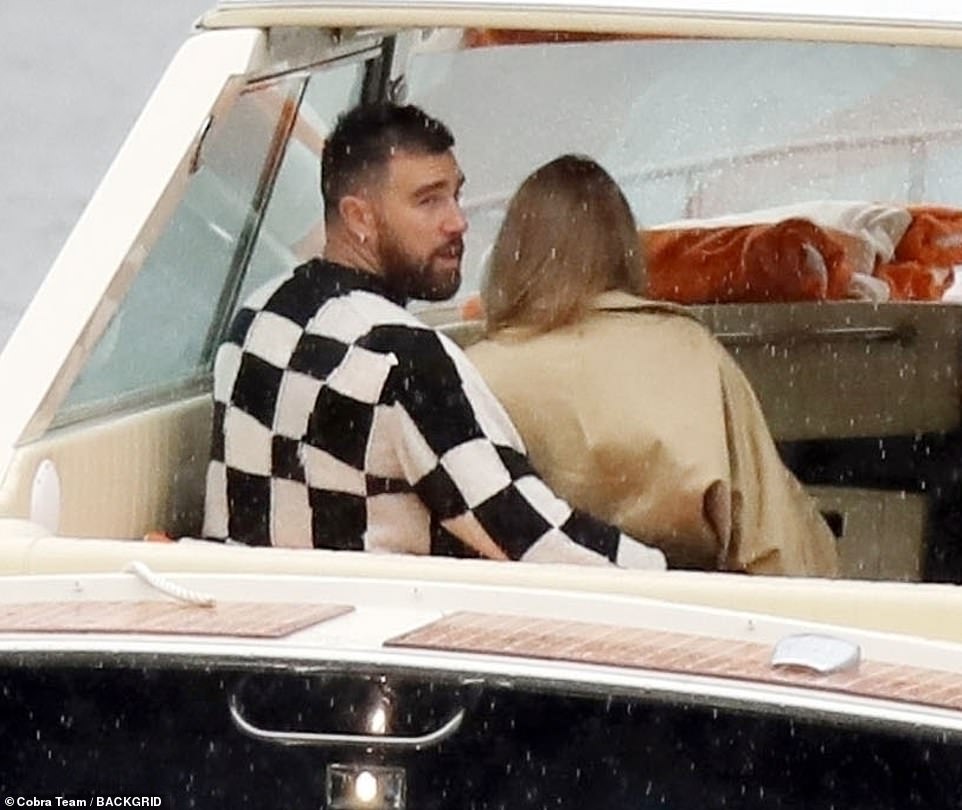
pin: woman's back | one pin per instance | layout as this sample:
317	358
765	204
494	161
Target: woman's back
636	414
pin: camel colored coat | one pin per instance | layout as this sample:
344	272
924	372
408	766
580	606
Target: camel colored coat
639	416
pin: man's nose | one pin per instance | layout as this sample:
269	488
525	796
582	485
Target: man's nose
454	221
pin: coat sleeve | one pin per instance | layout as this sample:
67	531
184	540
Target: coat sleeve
775	526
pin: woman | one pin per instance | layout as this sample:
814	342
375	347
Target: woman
630	408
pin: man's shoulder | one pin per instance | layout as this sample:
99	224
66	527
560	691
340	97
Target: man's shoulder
410	340
336	303
320	297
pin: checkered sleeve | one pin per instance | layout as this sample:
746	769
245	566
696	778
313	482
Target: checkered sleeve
464	460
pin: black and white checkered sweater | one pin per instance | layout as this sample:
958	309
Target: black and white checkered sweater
341	421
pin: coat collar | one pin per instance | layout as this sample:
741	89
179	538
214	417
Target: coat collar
620	301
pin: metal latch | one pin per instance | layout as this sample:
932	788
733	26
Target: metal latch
818	653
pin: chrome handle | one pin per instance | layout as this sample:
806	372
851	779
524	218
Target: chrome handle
903	335
365	740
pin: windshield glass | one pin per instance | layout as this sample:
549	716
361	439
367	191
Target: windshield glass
695	129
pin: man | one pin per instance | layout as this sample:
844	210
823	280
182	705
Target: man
341	421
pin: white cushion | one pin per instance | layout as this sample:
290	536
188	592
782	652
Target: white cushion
881	226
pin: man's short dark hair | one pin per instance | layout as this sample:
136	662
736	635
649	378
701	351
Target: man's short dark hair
365	137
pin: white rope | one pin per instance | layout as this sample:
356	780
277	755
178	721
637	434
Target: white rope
168	587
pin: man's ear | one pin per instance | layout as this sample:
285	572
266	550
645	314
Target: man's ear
357	215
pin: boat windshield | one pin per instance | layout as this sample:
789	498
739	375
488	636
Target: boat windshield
700	129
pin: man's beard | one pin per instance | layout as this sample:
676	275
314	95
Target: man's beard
414	277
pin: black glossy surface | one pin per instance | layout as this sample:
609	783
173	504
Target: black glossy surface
134	731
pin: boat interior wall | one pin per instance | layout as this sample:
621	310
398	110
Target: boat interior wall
869	369
122	477
880	534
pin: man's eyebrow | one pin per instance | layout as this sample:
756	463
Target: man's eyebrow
437	185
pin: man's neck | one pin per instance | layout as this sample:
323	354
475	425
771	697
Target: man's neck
349	252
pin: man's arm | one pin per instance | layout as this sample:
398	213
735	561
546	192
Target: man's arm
467	464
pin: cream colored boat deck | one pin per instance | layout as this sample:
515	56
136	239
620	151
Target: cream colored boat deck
915	609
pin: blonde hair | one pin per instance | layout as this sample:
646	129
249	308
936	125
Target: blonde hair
567	236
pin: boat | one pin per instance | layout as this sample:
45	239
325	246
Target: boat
141	665
254	690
